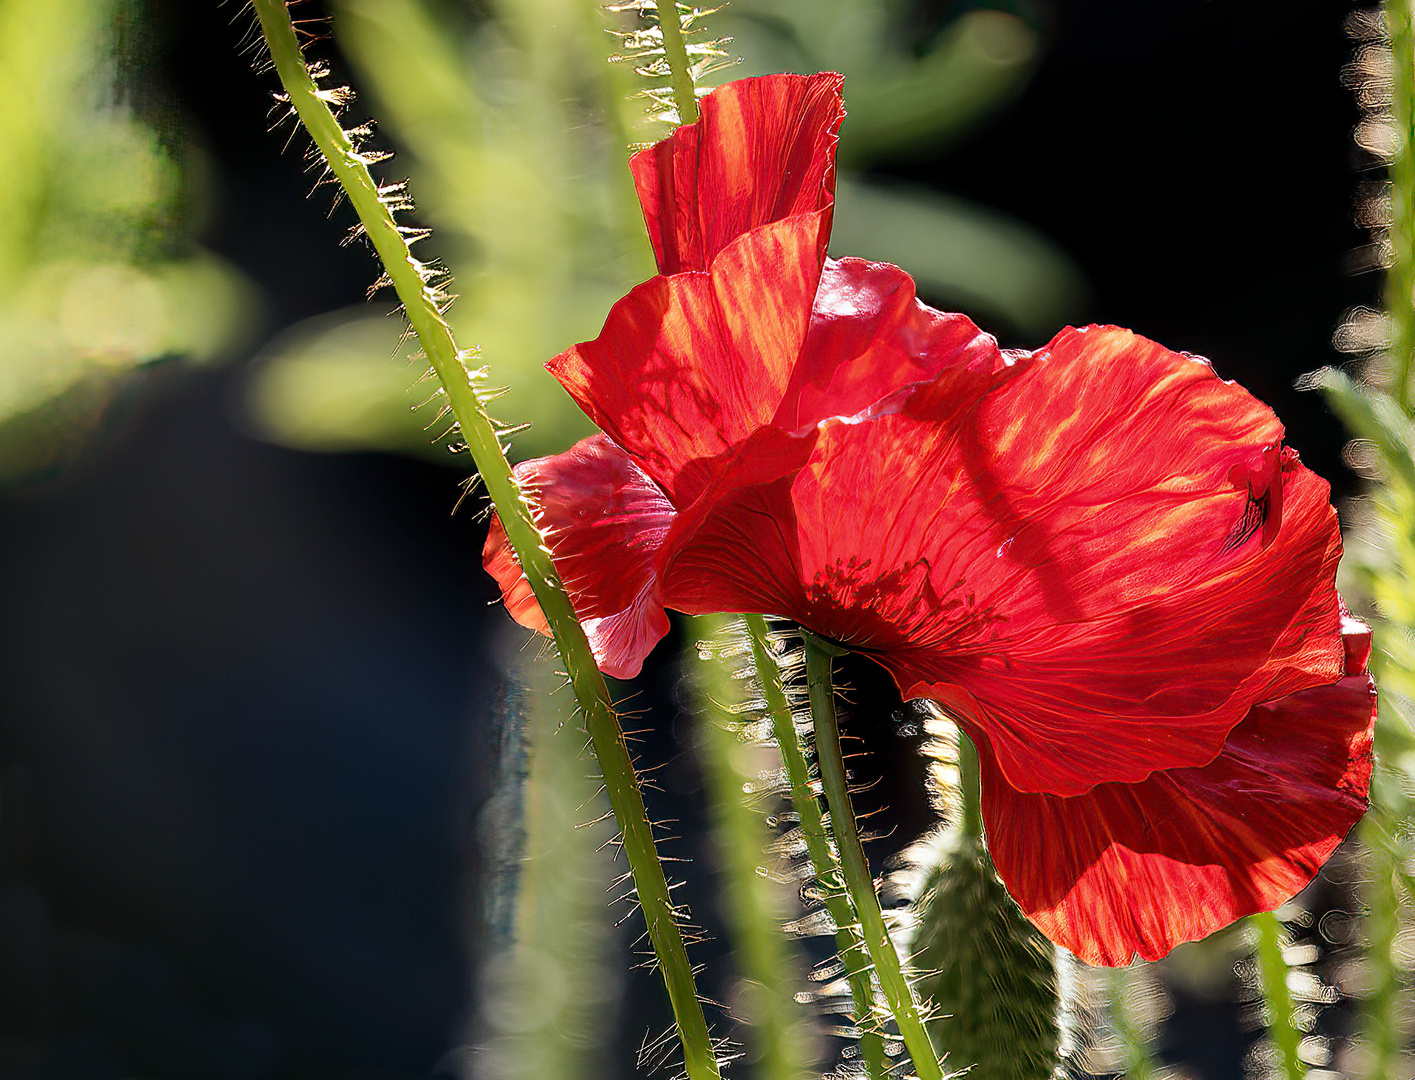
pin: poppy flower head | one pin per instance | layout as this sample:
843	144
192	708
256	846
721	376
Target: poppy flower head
1098	557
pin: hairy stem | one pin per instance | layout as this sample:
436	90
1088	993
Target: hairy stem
601	722
1400	278
1277	999
675	50
751	899
848	941
859	882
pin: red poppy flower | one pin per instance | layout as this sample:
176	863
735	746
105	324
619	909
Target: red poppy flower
1098	557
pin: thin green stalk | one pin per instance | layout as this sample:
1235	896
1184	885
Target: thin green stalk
1400	277
970	820
752	900
480	433
848	941
1277	999
675	50
859	881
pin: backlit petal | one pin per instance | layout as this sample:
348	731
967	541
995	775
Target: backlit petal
869	337
1064	552
1135	869
688	366
762	150
604	520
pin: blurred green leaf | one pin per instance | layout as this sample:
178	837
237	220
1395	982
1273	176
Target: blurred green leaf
901	104
962	255
96	274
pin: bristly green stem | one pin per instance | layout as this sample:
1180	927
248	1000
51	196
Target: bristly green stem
601	722
858	880
675	50
764	954
848	942
1400	277
1277	998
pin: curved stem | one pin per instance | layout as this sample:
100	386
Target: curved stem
601	722
675	50
848	941
859	882
1276	996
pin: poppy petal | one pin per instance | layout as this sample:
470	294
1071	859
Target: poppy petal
603	519
689	366
1052	550
762	150
713	558
869	337
1131	869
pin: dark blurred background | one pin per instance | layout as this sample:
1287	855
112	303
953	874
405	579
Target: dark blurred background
249	682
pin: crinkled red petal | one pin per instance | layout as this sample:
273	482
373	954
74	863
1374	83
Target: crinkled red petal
1069	552
689	366
714	558
762	150
870	336
1135	869
603	519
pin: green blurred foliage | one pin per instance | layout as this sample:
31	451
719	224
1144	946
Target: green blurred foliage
1375	398
515	131
95	276
550	987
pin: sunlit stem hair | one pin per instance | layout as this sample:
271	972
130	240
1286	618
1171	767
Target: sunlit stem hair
859	882
424	300
729	713
668	48
769	668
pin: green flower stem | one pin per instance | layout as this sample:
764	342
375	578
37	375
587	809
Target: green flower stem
675	50
969	788
1276	997
480	433
751	899
858	880
848	941
1400	277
